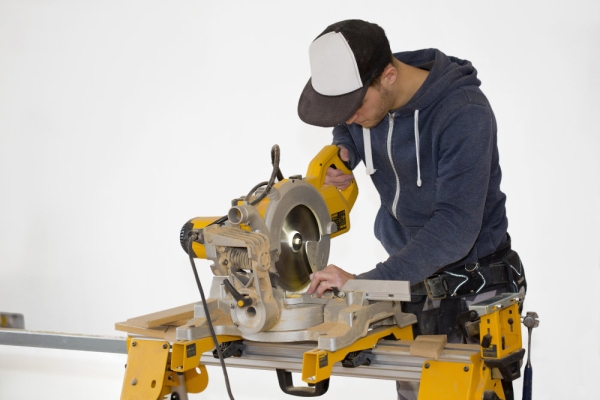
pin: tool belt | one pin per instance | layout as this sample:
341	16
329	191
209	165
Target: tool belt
503	267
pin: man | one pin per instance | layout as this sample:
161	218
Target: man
427	136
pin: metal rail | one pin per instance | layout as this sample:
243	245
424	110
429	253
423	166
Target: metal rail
391	359
63	341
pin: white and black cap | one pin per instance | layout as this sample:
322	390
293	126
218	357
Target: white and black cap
344	60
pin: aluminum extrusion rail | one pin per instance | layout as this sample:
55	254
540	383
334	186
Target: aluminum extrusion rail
391	359
63	341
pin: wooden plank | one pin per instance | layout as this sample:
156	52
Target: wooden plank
165	317
429	346
165	332
157	333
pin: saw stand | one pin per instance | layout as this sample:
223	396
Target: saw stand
160	367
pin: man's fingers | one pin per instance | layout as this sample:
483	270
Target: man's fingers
337	178
330	276
319	287
313	285
318	283
333	172
323	287
344	154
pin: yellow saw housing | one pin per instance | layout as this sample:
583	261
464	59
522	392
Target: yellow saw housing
338	202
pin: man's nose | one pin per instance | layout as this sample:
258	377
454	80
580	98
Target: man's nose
352	118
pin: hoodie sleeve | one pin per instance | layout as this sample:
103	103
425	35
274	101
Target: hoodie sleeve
465	149
342	137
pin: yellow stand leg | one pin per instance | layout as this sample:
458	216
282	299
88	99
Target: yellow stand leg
145	372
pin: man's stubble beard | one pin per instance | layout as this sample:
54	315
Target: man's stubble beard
385	105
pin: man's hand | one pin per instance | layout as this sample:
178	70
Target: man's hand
328	277
336	177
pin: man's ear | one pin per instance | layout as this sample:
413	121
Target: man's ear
389	75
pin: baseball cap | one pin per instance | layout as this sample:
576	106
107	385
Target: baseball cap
344	59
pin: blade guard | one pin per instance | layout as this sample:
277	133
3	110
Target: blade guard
339	202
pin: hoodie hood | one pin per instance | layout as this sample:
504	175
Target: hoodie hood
446	74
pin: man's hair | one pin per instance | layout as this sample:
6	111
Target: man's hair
376	82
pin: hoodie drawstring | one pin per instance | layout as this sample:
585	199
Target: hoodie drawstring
368	152
417	148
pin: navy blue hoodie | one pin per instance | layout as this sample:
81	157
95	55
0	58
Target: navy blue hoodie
444	206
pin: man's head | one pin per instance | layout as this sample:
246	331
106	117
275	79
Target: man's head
345	59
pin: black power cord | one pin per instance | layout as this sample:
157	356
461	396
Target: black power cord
191	238
193	235
275	173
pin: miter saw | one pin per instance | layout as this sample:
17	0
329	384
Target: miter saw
263	252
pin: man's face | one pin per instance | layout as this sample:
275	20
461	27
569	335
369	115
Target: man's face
376	104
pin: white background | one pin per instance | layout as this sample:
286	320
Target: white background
121	120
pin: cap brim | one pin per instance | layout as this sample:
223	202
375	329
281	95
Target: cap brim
327	111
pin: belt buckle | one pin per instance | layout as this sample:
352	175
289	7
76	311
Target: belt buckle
475	266
436	287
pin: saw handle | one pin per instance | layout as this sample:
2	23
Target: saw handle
286	383
338	163
329	157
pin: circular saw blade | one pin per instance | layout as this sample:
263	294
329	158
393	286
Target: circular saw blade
293	267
